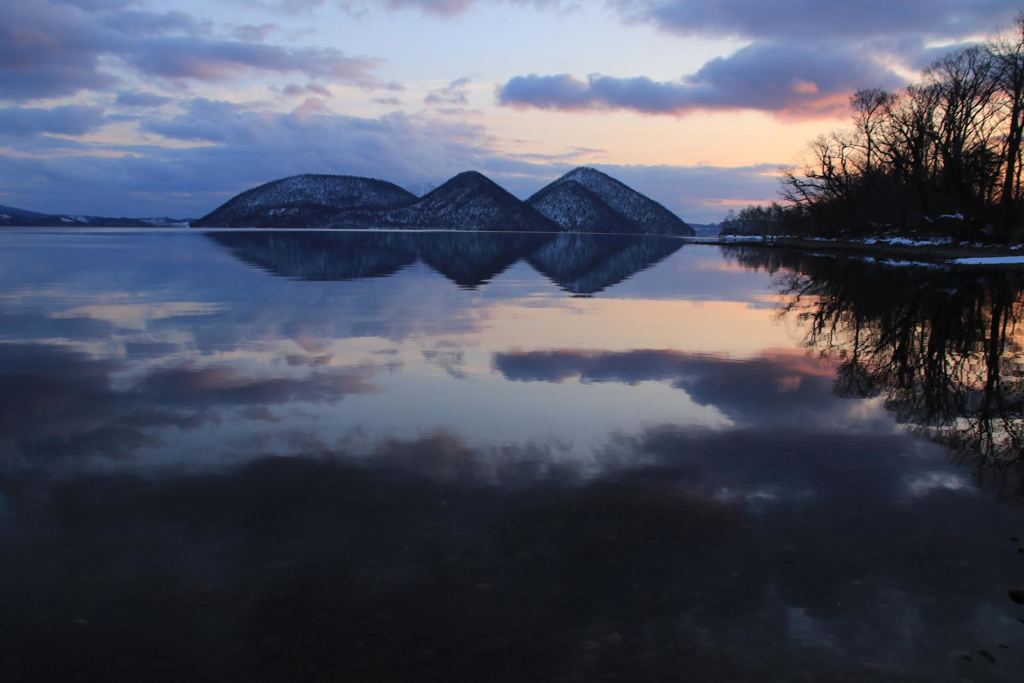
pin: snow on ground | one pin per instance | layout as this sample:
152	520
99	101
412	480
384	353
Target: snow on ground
741	238
988	260
901	263
907	242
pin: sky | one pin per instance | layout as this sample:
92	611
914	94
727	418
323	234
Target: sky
145	108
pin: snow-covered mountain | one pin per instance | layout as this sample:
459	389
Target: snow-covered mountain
576	209
468	201
583	200
644	212
305	201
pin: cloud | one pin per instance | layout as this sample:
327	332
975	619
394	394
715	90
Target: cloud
64	120
441	8
797	81
146	23
284	6
49	49
368	146
814	20
207	60
296	90
452	95
253	33
135	98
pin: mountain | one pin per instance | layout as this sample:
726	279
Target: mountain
583	200
305	201
649	215
469	201
706	229
11	216
576	209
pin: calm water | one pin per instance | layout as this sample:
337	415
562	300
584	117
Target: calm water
392	456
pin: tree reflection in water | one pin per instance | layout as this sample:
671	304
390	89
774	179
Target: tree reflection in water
942	346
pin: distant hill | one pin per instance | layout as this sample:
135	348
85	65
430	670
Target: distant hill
706	229
11	216
583	200
649	215
305	201
576	209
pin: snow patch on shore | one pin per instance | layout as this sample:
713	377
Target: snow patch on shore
901	263
907	242
988	260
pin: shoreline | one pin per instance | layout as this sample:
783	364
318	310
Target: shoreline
934	252
894	250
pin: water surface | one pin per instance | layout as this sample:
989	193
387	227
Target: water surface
444	456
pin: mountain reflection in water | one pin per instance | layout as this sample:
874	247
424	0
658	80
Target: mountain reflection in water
285	456
581	264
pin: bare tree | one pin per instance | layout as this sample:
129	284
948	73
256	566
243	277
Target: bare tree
967	121
1009	56
830	173
952	144
870	108
908	140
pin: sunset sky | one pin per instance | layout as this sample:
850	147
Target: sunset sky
144	108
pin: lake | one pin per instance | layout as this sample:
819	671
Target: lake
282	455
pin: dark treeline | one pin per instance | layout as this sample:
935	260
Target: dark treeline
939	157
942	347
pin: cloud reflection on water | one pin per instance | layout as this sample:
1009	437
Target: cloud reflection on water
489	481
